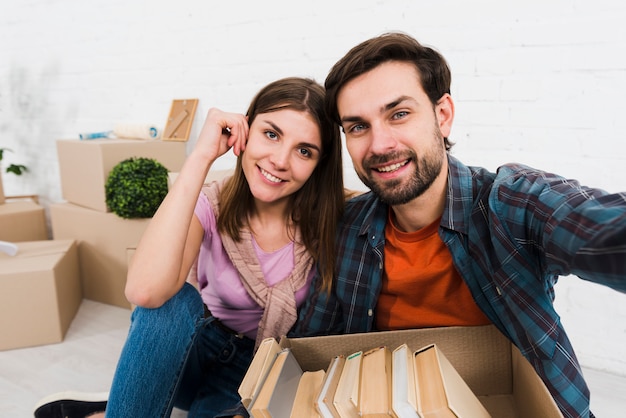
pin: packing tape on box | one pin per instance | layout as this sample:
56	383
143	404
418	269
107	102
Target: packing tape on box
8	248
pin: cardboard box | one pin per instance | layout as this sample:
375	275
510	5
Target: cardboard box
22	220
85	165
103	240
494	369
39	293
1	190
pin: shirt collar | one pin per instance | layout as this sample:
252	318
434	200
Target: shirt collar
374	219
459	199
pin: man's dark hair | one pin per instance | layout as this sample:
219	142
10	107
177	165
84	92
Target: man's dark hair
431	66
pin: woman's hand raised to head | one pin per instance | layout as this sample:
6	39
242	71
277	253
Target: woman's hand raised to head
220	132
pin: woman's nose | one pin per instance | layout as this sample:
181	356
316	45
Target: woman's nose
280	158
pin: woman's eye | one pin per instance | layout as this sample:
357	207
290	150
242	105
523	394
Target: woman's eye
271	135
305	152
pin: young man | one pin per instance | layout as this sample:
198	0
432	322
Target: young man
437	243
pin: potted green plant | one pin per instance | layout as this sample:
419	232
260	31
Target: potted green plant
136	187
17	169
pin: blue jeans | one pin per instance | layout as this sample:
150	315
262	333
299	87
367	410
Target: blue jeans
173	356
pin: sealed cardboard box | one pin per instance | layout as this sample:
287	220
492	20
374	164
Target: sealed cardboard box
85	165
504	381
103	239
39	293
22	220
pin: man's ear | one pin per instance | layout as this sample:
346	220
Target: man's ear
444	111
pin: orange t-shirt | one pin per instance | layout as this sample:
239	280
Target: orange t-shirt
421	287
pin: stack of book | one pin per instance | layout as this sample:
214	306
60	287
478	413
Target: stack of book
376	383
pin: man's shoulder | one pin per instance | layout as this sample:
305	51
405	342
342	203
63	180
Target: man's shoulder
360	208
360	202
505	174
525	178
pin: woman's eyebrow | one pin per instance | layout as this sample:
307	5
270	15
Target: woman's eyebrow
309	145
274	127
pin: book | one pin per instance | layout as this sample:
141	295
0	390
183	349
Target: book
441	392
306	394
346	398
257	371
375	384
403	394
324	402
378	383
278	391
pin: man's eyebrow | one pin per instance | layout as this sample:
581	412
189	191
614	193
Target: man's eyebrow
395	103
351	119
384	108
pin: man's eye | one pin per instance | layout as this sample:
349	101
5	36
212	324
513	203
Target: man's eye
400	115
356	128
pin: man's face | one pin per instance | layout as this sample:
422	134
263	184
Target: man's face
393	133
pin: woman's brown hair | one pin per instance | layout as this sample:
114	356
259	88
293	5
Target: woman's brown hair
317	206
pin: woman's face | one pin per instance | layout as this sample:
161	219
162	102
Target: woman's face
283	149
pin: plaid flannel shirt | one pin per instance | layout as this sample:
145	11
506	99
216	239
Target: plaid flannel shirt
511	235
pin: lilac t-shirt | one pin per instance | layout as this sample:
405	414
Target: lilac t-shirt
219	282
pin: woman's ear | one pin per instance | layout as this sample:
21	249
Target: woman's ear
444	111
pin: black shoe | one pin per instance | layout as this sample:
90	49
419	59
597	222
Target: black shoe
71	405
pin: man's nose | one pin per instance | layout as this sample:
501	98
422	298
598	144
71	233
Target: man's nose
383	138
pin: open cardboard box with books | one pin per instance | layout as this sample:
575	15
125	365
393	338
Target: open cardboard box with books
501	378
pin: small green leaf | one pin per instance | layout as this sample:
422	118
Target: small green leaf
17	169
2	152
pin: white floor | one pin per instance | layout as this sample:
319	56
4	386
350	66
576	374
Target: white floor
86	359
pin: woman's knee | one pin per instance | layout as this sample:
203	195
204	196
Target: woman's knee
186	303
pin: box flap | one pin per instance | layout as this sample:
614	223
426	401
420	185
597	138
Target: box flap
481	354
531	395
34	255
19	206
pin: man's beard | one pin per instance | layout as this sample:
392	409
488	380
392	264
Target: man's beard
401	191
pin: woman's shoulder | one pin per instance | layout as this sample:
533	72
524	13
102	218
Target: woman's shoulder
211	189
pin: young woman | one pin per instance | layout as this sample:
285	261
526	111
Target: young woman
255	238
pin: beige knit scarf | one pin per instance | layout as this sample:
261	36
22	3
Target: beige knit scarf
278	302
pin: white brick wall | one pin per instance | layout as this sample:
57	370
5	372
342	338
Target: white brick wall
537	82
